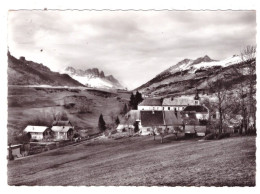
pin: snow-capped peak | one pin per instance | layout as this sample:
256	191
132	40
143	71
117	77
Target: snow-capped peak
93	78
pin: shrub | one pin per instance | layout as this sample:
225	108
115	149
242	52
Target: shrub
69	105
210	136
223	135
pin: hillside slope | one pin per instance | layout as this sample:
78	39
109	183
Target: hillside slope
188	75
140	161
23	72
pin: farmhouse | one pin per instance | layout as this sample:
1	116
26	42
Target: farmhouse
158	120
168	104
201	112
150	104
63	130
38	132
174	113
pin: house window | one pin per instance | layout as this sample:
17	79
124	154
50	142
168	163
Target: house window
148	129
168	108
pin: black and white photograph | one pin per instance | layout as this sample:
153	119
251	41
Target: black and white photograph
131	98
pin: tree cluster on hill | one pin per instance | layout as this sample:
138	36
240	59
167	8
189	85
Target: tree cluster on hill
135	100
240	101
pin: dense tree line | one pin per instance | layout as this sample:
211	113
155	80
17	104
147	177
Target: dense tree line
135	100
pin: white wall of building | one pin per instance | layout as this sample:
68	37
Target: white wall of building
150	108
37	136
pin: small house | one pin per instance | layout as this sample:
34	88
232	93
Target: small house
200	111
124	127
195	118
63	132
14	151
38	132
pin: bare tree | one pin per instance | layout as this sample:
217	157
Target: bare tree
244	98
248	55
112	116
218	88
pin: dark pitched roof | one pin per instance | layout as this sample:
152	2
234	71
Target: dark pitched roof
152	118
172	118
61	123
151	102
195	108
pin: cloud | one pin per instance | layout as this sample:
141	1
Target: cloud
134	46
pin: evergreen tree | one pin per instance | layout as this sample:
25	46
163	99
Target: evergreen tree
117	121
101	123
138	98
132	102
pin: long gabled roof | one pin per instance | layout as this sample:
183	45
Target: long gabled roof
172	118
152	118
61	123
35	129
61	128
151	102
195	108
177	101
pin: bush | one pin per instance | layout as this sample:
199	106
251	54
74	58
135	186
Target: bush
223	135
210	136
69	105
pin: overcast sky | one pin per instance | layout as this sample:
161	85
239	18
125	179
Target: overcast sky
134	46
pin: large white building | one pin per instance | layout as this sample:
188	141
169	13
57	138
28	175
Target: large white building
169	104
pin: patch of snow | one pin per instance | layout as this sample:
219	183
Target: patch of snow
93	81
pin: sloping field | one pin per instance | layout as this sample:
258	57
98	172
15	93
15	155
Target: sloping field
140	161
26	103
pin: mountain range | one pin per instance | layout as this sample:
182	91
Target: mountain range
93	78
189	75
185	77
24	72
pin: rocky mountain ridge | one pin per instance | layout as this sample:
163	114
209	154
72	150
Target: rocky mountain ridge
93	78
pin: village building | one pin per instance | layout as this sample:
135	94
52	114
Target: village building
38	132
173	113
124	128
63	130
201	112
18	150
169	104
14	151
158	120
150	104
